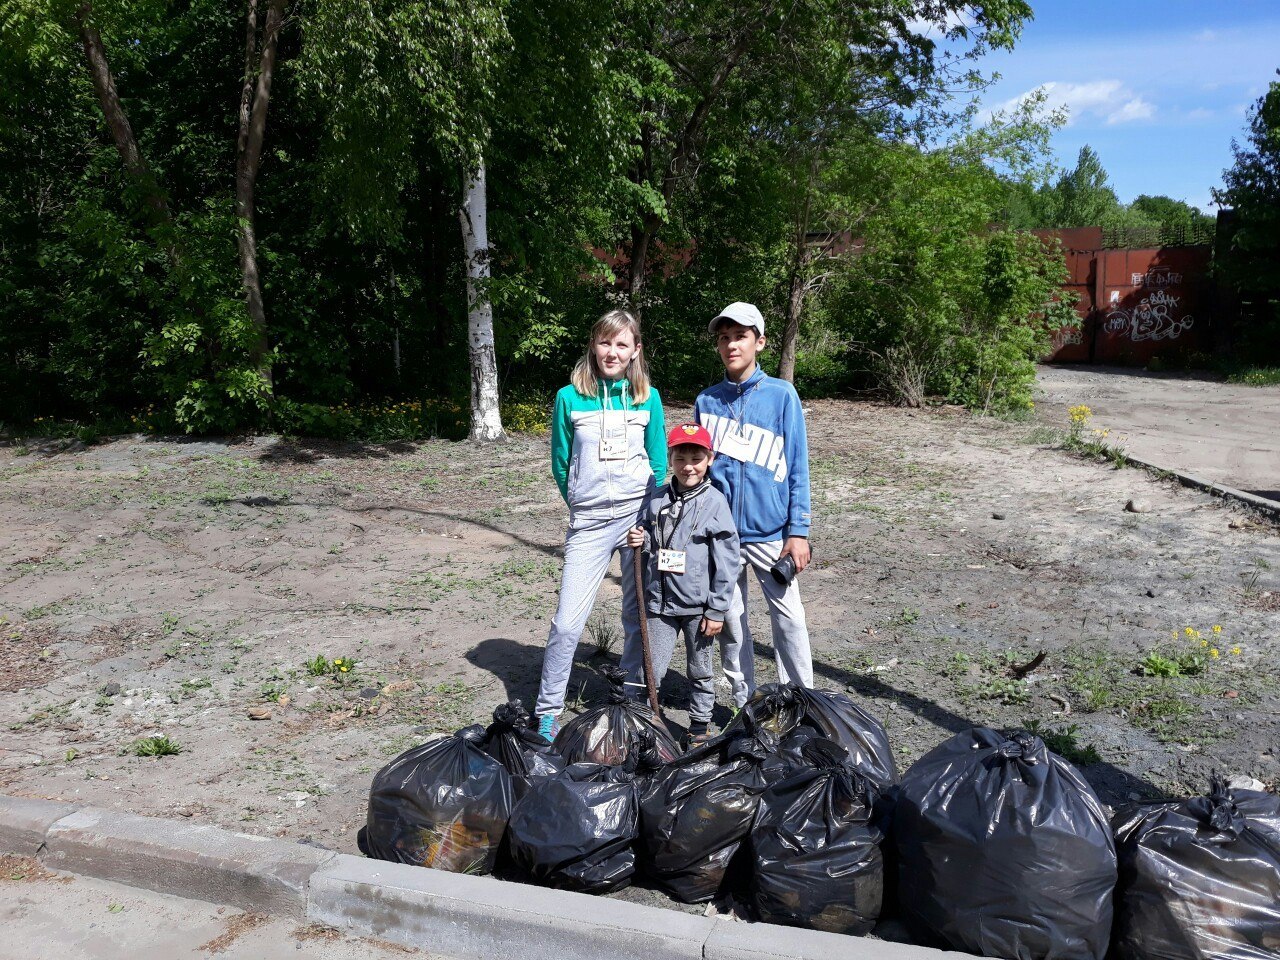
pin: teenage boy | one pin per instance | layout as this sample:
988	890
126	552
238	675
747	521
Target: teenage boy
762	467
691	560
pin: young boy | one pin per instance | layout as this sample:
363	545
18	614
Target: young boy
762	468
691	552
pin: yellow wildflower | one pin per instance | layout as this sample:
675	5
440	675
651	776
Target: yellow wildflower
1189	631
1236	651
1213	652
1217	628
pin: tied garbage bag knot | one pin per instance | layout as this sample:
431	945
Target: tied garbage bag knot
1226	817
617	678
508	716
520	749
1023	746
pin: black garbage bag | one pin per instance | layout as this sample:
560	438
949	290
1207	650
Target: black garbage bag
609	733
577	830
697	810
1199	878
815	846
520	749
444	804
782	708
1004	850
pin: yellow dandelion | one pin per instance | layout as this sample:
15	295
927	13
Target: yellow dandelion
1204	643
1189	631
1217	628
1236	651
1213	652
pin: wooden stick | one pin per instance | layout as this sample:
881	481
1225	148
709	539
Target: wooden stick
649	680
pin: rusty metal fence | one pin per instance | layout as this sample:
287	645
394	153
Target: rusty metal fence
1134	304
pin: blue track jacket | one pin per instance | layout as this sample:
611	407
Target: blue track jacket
769	490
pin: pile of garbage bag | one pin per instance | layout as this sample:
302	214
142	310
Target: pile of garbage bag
609	734
816	848
1004	850
990	844
1200	877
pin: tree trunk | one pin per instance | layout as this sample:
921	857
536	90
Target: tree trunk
640	237
486	419
791	329
800	257
253	128
157	206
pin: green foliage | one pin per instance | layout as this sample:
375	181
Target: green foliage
1249	261
938	303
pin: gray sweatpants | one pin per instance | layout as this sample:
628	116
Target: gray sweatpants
786	614
589	545
699	666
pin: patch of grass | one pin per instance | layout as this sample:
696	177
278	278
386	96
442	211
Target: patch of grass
604	633
1044	435
158	746
1064	742
905	617
1007	690
1256	376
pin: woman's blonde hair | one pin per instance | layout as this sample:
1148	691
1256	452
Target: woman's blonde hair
586	375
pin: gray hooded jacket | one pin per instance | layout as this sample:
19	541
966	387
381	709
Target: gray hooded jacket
699	522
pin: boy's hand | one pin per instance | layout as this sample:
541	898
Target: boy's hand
798	548
709	627
635	538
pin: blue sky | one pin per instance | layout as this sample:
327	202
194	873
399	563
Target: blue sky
1157	89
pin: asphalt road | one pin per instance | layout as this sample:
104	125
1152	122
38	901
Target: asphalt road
64	918
1224	432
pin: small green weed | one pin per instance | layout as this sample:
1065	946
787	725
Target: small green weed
159	746
1007	690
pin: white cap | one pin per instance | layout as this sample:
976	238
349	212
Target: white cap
744	313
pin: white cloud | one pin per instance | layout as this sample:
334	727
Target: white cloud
932	28
1107	100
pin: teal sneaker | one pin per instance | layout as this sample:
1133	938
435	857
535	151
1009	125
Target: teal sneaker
548	726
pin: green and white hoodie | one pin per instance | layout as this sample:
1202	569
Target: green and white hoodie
598	489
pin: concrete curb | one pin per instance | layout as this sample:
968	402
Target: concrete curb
1251	500
453	914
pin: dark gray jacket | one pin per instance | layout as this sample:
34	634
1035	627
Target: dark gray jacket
700	523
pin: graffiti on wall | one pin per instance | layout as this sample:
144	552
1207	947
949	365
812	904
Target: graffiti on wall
1067	337
1157	278
1154	318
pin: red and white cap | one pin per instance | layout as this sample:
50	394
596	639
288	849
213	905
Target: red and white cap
689	433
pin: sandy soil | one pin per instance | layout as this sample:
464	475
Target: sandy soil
1223	432
165	587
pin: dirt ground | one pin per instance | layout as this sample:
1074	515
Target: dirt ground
161	587
1224	432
